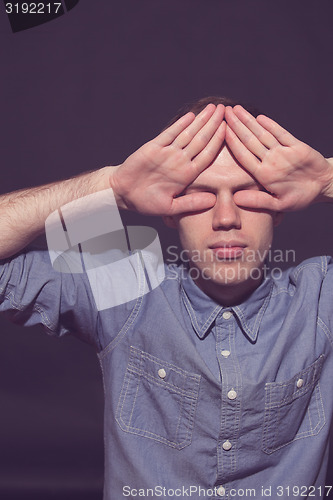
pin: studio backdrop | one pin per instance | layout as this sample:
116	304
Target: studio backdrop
85	87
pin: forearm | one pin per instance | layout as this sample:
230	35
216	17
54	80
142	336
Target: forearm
23	213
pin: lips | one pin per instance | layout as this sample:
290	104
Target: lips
228	250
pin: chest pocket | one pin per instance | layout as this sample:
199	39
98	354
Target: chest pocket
158	400
293	409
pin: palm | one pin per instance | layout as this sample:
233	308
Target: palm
293	175
291	172
153	177
166	173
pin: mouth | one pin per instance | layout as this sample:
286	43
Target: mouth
228	250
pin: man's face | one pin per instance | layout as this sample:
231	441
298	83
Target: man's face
226	244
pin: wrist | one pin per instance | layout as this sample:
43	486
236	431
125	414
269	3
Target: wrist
112	180
326	194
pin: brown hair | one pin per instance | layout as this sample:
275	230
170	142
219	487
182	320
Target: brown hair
200	104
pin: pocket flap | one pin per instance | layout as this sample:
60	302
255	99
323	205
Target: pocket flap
162	372
278	394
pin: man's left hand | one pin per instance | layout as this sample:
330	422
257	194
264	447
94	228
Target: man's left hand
293	174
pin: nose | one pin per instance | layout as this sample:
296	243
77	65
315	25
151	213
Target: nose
226	214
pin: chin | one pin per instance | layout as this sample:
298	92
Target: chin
227	274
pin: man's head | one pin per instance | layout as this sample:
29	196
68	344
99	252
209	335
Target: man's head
226	244
197	106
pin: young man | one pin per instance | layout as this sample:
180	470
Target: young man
217	378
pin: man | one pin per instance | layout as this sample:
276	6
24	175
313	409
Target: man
217	380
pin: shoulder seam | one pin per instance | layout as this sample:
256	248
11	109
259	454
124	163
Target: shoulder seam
325	329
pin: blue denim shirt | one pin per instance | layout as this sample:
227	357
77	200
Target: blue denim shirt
201	401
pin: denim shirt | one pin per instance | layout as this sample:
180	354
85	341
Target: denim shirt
201	401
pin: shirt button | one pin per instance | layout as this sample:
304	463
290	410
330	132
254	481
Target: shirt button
225	353
227	315
227	445
299	383
161	373
220	491
232	394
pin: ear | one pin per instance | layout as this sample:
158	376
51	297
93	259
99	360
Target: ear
169	221
277	218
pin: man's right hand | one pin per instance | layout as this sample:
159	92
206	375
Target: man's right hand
152	179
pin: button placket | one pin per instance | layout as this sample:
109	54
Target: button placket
226	315
230	394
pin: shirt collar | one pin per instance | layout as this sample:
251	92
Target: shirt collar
203	310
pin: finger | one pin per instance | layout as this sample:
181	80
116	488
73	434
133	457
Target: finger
205	134
259	200
193	202
283	136
210	152
242	154
169	135
249	121
186	136
246	136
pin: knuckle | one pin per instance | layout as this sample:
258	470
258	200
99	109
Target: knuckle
202	139
207	154
248	139
180	156
196	164
186	134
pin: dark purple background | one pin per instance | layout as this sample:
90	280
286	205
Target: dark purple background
86	90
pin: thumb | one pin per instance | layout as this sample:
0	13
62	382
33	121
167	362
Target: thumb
193	202
259	200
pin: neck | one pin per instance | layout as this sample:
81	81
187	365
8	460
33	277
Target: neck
229	294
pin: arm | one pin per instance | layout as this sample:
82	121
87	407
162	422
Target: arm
23	213
149	181
293	174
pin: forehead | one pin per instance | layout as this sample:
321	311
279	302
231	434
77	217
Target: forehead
224	171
